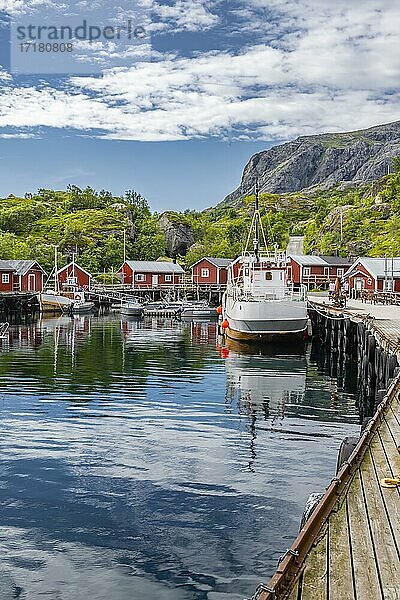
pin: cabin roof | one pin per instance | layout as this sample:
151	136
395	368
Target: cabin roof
76	266
378	267
221	263
20	267
320	261
154	266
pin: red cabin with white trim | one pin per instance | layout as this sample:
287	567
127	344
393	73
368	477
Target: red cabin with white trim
208	270
74	276
315	271
374	275
152	275
21	276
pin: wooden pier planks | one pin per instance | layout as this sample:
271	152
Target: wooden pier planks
357	553
356	550
314	582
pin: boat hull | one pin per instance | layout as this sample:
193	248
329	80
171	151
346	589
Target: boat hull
83	308
53	303
131	312
265	321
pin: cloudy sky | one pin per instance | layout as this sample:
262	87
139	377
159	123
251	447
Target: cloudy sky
177	113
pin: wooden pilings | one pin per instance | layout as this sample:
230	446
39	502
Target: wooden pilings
346	339
18	307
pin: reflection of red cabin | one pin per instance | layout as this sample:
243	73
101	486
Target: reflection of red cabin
21	276
149	274
72	275
209	270
374	274
315	271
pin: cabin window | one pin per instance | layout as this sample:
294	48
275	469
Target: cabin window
326	271
340	272
205	272
5	278
268	276
307	271
168	277
72	280
140	277
246	272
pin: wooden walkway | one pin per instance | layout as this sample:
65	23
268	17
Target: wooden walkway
349	549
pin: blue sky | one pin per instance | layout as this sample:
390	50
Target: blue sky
177	114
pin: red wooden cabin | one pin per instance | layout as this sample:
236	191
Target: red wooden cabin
74	276
374	275
316	271
208	270
21	276
148	274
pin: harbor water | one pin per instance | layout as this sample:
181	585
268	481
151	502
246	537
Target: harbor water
141	460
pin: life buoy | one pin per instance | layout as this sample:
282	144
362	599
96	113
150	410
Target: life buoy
77	296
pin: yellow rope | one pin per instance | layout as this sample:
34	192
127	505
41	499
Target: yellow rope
389	482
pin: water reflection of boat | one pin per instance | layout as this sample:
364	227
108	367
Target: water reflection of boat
265	383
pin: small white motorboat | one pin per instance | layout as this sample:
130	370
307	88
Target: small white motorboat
131	308
80	306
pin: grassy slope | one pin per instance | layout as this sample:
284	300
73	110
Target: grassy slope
92	224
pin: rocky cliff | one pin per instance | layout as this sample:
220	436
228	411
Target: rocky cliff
178	234
354	158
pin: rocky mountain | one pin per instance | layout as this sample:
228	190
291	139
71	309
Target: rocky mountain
352	158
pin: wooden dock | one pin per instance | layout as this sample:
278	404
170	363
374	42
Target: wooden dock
349	549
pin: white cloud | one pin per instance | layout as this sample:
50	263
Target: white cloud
333	66
190	15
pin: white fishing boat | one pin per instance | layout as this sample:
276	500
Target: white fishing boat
259	303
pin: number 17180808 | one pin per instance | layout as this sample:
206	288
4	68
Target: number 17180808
42	47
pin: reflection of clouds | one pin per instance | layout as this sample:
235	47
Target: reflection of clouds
150	471
69	571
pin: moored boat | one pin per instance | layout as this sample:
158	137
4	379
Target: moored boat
260	305
80	305
51	301
130	308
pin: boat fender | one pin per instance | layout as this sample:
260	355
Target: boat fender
311	504
219	310
345	451
225	324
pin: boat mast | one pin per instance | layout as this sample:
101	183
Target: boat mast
57	287
256	240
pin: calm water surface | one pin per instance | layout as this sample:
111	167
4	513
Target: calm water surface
139	462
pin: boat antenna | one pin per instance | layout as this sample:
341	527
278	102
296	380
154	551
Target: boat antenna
256	240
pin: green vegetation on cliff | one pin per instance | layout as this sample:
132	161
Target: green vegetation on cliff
350	221
85	222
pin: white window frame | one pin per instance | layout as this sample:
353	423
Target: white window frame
340	272
205	273
140	277
306	271
72	281
167	278
5	278
326	272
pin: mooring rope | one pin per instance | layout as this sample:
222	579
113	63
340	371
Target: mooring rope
327	316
